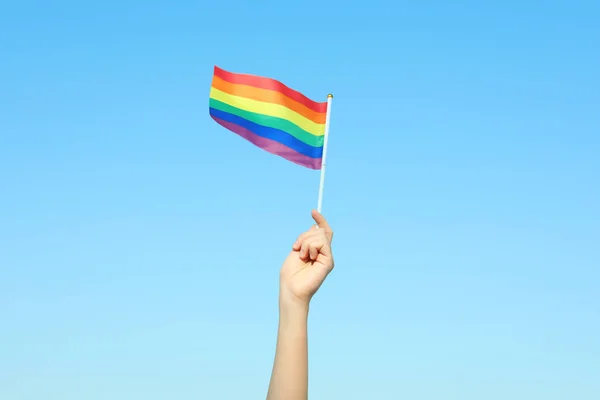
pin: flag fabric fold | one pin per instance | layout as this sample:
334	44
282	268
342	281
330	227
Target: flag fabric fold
270	115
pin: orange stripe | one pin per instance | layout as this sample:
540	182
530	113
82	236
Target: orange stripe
262	82
267	96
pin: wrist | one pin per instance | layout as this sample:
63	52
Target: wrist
291	307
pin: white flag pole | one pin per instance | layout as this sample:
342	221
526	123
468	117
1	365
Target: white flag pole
323	159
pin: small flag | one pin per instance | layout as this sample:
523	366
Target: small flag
269	114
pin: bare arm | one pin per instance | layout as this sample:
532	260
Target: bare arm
302	273
289	379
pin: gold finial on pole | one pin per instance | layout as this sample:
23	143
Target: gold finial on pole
330	96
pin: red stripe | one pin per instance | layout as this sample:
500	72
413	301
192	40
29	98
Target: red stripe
270	84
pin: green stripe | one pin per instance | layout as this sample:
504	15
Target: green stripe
271	122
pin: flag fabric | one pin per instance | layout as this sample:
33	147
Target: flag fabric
269	114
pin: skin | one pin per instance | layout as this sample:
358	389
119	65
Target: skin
302	274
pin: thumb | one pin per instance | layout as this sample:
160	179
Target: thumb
322	223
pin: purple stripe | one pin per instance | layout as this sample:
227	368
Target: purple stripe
272	146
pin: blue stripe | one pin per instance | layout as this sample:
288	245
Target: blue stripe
270	133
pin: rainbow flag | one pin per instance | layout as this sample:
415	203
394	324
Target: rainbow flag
269	114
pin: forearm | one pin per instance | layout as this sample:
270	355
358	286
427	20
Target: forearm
289	380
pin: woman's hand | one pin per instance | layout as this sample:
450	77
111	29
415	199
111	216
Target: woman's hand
308	264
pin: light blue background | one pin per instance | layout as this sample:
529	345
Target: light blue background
140	242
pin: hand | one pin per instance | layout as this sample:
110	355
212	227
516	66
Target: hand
308	264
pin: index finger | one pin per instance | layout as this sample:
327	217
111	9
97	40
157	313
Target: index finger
322	223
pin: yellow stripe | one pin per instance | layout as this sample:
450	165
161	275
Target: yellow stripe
273	110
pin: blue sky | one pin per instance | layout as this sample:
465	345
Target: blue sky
140	242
